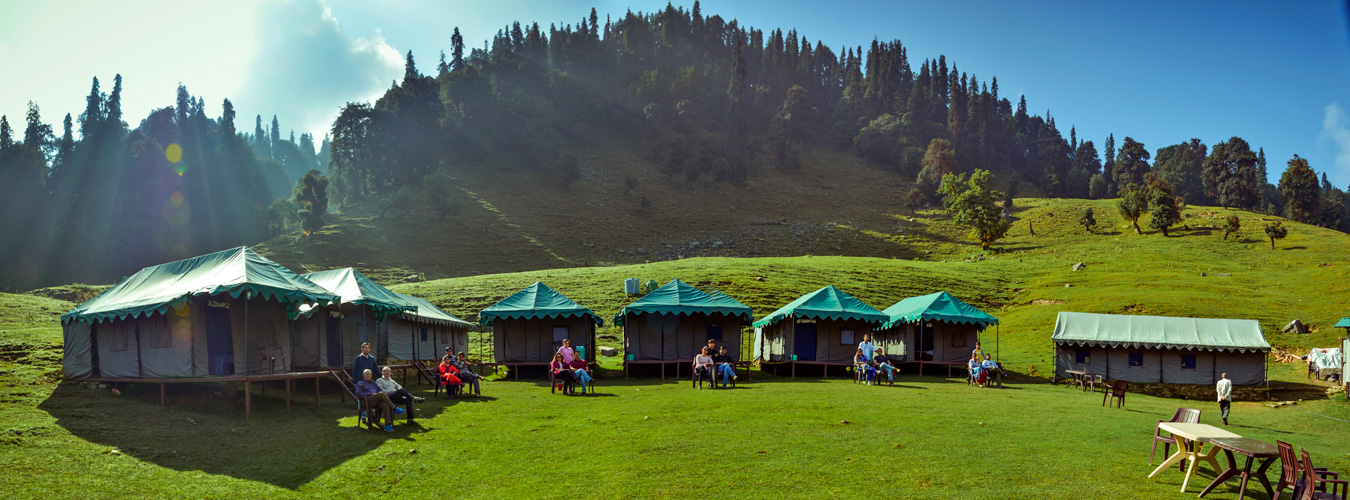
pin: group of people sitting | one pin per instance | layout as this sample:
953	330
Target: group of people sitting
982	369
456	374
380	397
569	370
711	362
870	362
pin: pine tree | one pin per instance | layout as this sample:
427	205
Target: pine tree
113	106
227	130
275	139
311	194
1229	174
6	135
1109	165
1298	187
736	93
92	117
1131	163
456	50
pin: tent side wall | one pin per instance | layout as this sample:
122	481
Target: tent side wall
77	358
1149	371
308	341
830	347
678	337
1066	359
166	345
118	353
1243	368
953	343
532	341
774	342
1164	365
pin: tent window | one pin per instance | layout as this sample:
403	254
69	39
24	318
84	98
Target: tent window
424	334
846	337
714	332
1136	359
559	333
165	337
958	340
1187	362
1084	355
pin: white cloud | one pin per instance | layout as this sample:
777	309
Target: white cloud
1336	131
307	68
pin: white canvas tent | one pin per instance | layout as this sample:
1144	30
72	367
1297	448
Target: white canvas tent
424	333
1159	349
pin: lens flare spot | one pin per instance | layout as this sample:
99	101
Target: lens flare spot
181	309
173	153
177	210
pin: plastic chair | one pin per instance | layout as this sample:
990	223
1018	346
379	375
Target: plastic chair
1117	392
1184	415
1314	482
267	353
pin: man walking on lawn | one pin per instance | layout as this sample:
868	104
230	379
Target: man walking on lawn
1225	390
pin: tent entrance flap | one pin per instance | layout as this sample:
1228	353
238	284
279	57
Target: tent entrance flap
805	344
219	342
333	330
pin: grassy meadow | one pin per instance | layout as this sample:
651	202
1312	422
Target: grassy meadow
927	437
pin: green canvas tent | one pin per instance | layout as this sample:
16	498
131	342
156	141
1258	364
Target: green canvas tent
675	321
190	318
821	327
424	334
529	326
1343	323
333	334
936	328
1160	349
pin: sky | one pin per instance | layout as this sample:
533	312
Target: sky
1273	73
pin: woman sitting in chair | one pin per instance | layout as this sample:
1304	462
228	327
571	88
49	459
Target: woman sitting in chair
973	366
703	366
562	373
862	367
449	377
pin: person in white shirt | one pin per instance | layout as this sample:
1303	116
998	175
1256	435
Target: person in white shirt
703	368
397	394
1225	390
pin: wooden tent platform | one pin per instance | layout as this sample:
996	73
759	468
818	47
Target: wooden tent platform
248	381
932	363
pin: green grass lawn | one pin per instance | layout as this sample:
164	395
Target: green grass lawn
927	437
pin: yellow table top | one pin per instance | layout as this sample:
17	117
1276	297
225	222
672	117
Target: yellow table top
1195	432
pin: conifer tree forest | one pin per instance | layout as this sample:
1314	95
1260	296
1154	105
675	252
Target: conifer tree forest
703	98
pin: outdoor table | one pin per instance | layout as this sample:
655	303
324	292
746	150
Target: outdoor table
1077	377
1252	449
1189	442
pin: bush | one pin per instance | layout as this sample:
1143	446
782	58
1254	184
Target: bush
1232	226
1088	221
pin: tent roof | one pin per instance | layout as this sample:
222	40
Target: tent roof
1343	323
356	288
428	312
155	289
826	303
940	306
677	297
535	301
1161	332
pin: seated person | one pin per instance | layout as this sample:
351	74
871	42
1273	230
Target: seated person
883	364
988	368
583	377
703	368
562	375
974	367
862	368
466	375
397	394
376	402
722	364
449	376
566	350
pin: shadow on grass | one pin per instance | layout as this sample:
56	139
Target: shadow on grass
202	429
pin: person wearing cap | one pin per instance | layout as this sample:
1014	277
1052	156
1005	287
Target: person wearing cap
467	376
712	347
722	363
883	364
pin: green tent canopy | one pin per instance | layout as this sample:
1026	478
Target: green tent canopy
535	301
428	312
940	306
1158	332
155	289
1343	323
356	288
825	303
677	297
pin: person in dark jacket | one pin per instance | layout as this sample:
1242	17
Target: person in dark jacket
364	361
376	402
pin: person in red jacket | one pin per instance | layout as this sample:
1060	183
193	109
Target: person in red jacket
562	374
449	377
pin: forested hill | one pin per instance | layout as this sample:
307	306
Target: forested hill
688	103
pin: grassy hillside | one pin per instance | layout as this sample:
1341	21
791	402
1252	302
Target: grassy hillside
512	219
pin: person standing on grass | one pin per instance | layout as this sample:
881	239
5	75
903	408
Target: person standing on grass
467	376
566	351
867	348
978	352
397	394
363	362
376	401
1225	392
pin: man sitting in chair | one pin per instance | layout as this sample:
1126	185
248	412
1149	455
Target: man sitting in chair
722	363
988	368
397	394
883	364
579	373
467	376
376	401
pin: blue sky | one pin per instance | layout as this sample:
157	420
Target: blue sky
1275	74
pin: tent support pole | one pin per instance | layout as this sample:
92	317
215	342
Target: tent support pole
288	397
161	396
316	393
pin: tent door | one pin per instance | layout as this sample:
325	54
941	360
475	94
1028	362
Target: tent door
925	341
334	333
218	341
805	345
